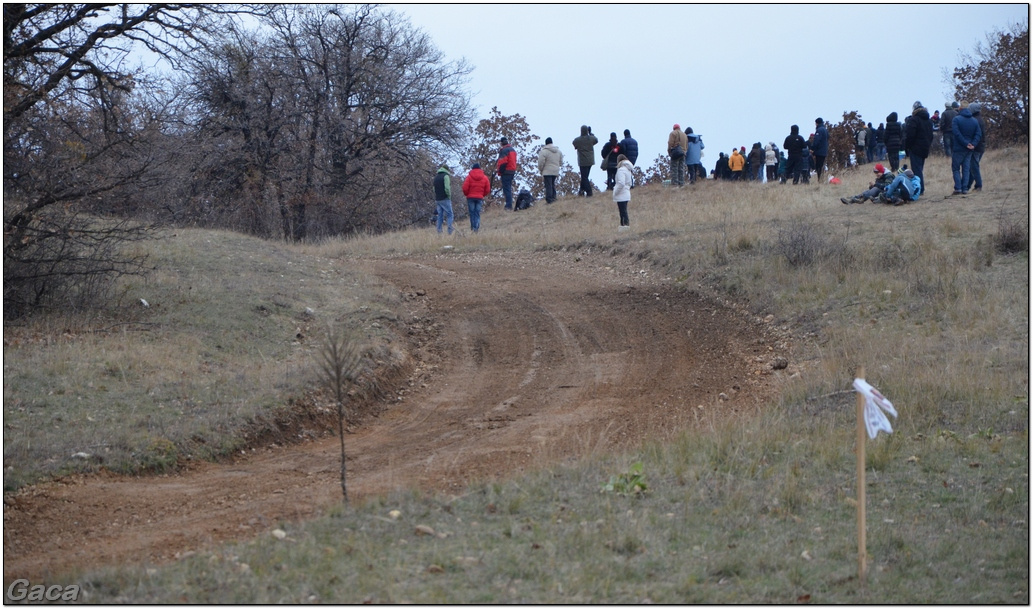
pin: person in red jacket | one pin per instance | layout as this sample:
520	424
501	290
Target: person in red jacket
506	168
476	187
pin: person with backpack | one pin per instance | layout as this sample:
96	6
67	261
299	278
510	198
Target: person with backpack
623	182
476	187
860	139
443	198
550	159
676	145
585	146
506	167
611	150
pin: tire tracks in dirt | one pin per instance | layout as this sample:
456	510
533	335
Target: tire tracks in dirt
534	360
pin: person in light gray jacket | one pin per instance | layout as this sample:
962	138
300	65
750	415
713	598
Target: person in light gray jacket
550	159
623	182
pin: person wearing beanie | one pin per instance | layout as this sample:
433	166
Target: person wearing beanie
476	187
677	143
977	155
443	198
820	146
918	139
585	146
624	181
506	168
610	150
550	159
629	147
883	179
967	134
905	188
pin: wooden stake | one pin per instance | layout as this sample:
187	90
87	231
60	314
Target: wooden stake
862	552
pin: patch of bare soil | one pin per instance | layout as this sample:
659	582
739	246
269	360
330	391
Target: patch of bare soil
518	362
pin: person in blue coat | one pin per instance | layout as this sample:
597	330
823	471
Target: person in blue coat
966	135
820	147
629	147
694	156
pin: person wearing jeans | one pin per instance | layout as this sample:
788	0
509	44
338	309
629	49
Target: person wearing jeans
443	198
506	167
476	187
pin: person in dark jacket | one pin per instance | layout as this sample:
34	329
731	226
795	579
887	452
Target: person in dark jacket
629	146
611	150
918	139
946	124
820	146
756	162
965	130
585	146
894	137
880	139
794	145
977	154
443	198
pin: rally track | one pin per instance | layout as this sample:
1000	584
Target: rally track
514	362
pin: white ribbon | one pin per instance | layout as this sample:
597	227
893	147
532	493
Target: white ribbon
874	405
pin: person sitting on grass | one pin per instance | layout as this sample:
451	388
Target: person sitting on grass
904	188
883	179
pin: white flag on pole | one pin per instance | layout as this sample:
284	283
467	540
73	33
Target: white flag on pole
874	404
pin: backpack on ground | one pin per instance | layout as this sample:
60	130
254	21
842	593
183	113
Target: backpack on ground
524	200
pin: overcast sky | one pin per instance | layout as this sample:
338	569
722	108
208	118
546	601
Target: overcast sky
736	74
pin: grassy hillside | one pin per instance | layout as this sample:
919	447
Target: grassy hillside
931	298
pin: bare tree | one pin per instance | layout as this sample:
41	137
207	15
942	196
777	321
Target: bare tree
485	149
341	364
77	129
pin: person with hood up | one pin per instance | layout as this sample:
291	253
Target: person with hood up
550	159
820	147
894	137
624	180
476	187
585	146
966	135
676	145
611	150
794	146
506	167
756	162
443	198
918	139
629	146
694	155
736	162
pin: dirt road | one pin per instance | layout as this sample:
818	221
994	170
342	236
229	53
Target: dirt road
517	362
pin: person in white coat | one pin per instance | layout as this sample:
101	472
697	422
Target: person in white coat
550	159
623	182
